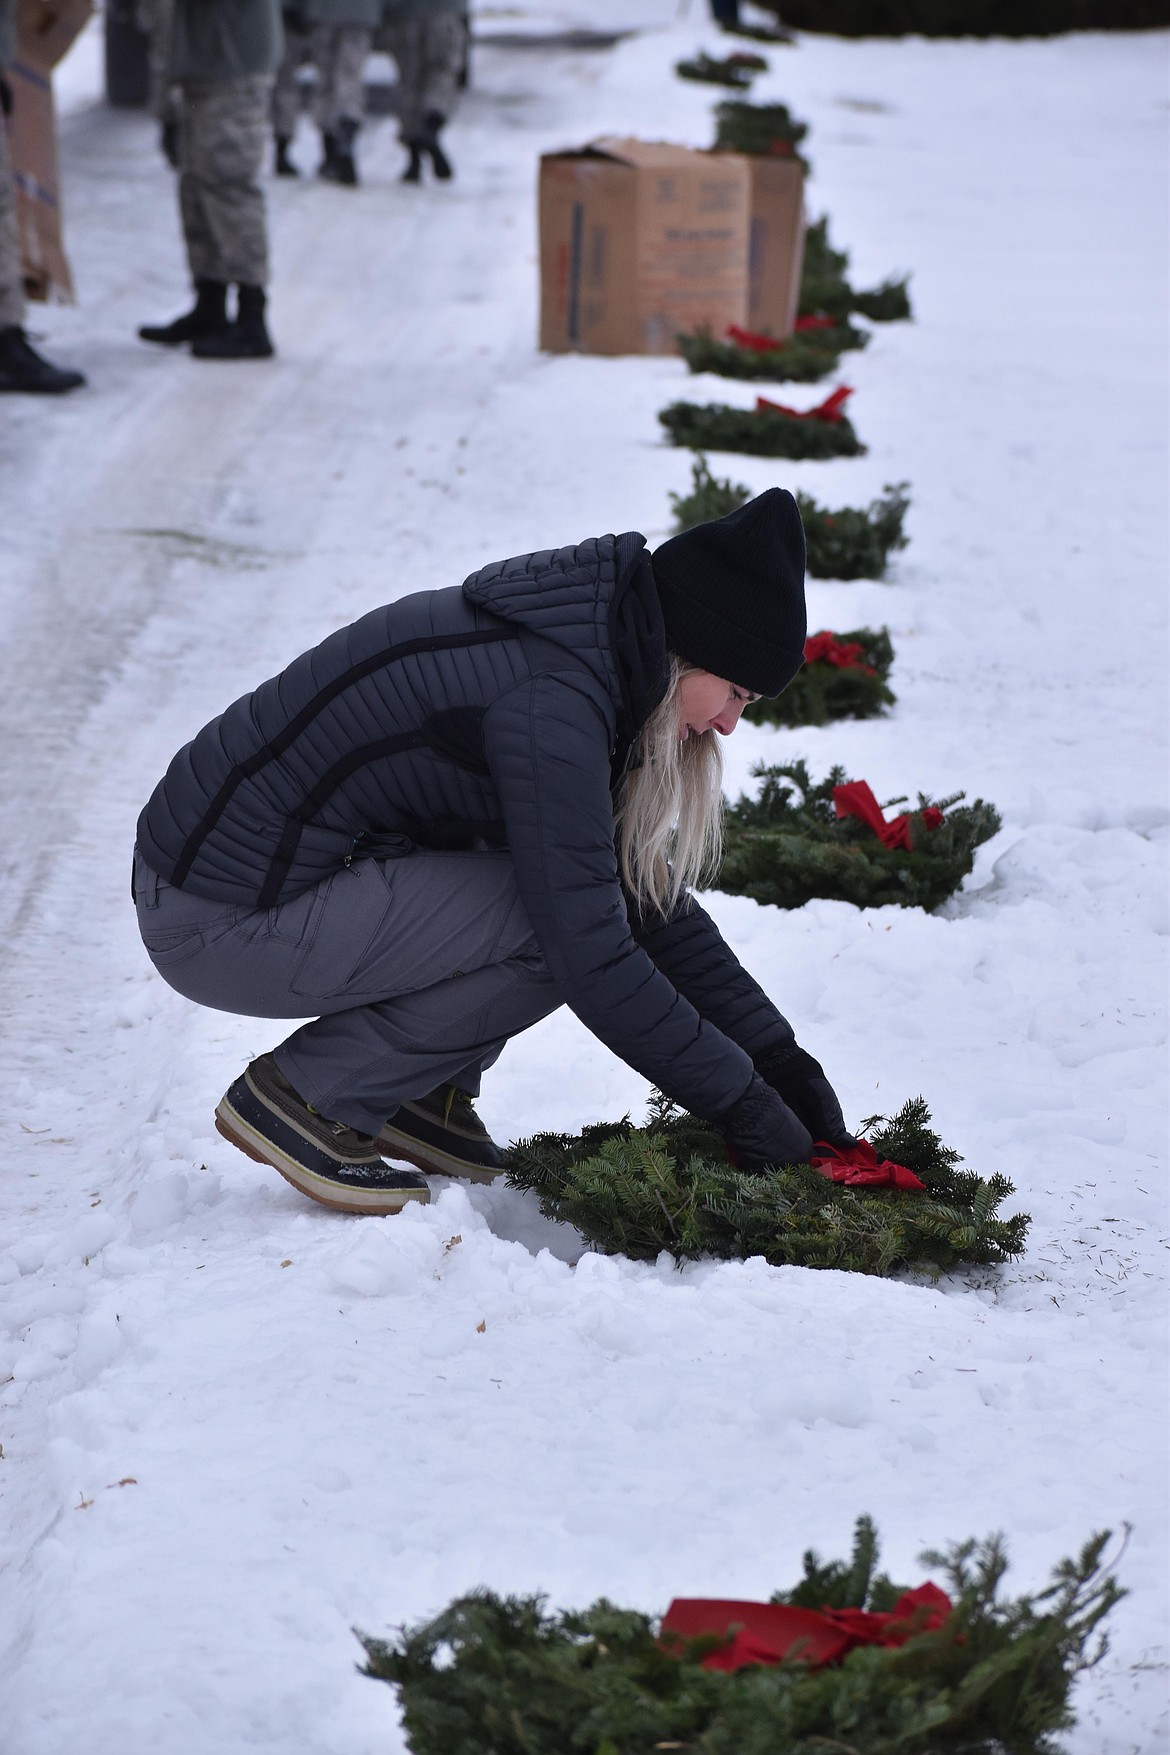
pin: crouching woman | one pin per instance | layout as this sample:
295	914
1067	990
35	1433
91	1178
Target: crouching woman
466	809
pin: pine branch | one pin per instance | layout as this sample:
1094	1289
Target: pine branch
825	291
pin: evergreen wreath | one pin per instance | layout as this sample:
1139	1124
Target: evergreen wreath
852	543
736	71
496	1675
825	291
811	352
844	677
790	844
770	130
670	1185
767	430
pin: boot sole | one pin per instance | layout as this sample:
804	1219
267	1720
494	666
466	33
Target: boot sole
432	1160
374	1202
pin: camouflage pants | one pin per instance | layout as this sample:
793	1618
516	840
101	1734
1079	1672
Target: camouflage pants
338	52
11	273
428	53
222	134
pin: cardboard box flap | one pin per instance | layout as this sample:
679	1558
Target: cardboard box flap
47	29
649	155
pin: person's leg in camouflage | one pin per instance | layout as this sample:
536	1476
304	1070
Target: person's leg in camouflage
341	60
286	93
22	368
429	55
224	128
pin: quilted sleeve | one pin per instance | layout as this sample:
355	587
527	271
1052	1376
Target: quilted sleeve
547	744
695	957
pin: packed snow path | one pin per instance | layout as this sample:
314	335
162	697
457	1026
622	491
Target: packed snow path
233	1424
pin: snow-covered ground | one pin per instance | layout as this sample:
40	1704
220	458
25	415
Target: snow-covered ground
234	1424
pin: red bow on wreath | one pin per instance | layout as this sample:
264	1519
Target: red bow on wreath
815	322
825	648
856	799
860	1167
832	408
770	1633
749	339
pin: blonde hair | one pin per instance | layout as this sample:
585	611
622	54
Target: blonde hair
669	817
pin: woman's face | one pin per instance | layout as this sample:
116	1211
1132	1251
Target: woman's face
708	703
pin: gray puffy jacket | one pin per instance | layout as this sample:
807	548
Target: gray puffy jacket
500	714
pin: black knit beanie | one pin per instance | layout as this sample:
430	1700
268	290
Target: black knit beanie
732	593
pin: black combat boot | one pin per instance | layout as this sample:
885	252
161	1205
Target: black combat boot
23	368
208	316
245	339
283	164
328	155
339	165
413	171
435	122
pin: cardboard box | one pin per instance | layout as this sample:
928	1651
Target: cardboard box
45	31
641	241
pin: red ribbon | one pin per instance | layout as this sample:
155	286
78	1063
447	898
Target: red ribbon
860	1167
770	1633
830	409
749	339
856	799
825	648
816	322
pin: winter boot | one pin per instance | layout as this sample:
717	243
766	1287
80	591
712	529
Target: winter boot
331	1163
443	1134
339	165
328	156
245	339
413	171
435	121
23	368
283	165
208	316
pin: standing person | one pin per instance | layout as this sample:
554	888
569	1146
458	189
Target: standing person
22	368
464	810
428	40
223	56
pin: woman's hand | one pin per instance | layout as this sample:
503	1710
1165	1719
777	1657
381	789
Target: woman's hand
800	1081
762	1130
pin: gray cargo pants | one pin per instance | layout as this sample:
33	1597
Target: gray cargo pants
11	269
421	968
223	130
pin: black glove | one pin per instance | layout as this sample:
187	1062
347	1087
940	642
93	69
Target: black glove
761	1130
5	97
800	1081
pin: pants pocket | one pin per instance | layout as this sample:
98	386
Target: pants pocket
348	917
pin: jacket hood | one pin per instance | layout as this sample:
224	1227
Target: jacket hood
598	600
